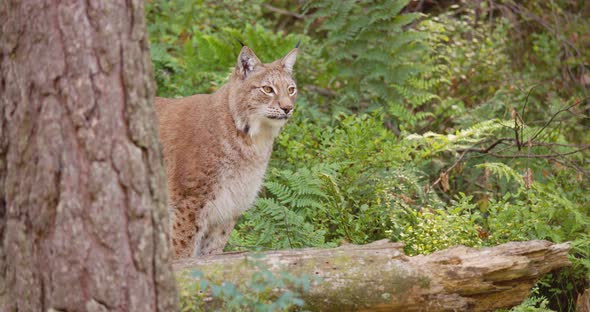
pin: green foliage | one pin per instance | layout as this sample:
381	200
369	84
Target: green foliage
475	57
375	58
192	57
367	165
535	303
207	59
284	217
260	293
435	229
342	192
434	143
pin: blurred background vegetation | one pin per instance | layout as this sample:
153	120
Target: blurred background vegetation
435	123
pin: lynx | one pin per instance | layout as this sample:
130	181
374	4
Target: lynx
217	147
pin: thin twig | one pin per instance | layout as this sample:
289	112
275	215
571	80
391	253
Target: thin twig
546	156
572	165
569	163
523	11
288	228
516	128
449	169
549	145
321	91
283	11
553	117
526	101
487	149
507	141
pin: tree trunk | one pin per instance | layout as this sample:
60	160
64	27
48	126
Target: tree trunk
83	220
379	277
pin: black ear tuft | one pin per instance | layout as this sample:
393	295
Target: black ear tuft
289	60
240	42
247	62
246	66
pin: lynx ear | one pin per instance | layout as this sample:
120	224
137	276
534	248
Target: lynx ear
289	60
247	62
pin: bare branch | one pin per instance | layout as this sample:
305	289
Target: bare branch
283	11
572	165
489	148
553	117
546	156
437	181
321	91
526	100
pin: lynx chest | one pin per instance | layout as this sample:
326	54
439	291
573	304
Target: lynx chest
236	192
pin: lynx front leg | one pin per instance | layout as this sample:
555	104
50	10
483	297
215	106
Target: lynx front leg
182	239
215	238
185	229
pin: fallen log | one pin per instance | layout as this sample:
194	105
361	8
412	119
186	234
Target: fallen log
380	277
583	302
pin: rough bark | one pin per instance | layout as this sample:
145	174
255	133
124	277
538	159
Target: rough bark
83	217
379	277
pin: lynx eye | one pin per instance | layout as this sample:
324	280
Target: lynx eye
268	89
291	90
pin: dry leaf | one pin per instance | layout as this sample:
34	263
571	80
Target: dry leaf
486	179
528	178
444	181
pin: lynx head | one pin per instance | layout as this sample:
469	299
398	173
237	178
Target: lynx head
263	96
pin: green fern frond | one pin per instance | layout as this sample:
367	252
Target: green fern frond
502	171
282	219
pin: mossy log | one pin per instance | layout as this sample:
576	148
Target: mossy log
583	302
380	277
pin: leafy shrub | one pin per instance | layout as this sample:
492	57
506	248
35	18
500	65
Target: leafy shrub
194	45
263	291
343	192
435	229
535	303
374	57
285	220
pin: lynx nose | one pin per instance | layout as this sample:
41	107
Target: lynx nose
286	106
287	109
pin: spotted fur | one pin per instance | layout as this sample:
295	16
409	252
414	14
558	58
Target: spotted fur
216	149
